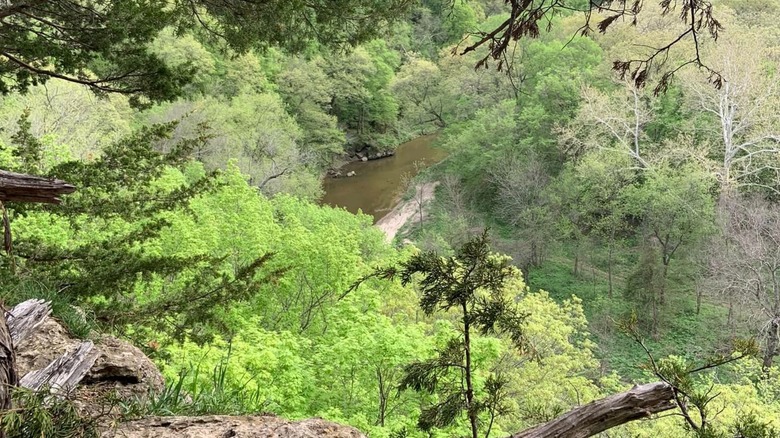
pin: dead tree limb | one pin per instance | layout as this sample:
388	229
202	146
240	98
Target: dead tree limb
20	187
25	317
29	188
65	372
597	416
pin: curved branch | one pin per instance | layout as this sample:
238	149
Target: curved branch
95	85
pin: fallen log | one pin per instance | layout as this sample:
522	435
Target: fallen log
65	372
597	416
29	188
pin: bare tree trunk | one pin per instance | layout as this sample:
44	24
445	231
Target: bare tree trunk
664	273
472	413
23	188
382	397
656	317
609	267
730	318
772	341
597	416
576	260
699	295
8	377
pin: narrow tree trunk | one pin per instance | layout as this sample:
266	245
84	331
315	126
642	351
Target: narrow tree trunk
382	397
656	317
8	377
24	188
772	341
665	272
597	416
609	262
699	295
469	385
576	262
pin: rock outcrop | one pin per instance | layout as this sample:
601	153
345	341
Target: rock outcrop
214	426
123	370
119	367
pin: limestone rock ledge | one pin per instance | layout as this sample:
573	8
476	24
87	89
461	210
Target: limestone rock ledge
123	370
220	426
120	367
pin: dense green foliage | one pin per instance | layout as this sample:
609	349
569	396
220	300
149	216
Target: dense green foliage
472	284
105	45
195	233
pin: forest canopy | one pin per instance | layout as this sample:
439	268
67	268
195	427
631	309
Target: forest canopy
632	233
105	44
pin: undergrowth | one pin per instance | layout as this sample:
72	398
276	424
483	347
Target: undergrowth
38	414
78	321
186	396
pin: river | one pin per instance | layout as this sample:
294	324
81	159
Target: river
377	185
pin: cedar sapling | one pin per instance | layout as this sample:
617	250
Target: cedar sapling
471	283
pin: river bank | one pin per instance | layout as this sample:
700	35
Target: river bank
376	186
393	221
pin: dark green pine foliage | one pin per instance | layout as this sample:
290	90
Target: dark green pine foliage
118	188
104	44
471	282
28	147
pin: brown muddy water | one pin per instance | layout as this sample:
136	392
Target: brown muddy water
378	184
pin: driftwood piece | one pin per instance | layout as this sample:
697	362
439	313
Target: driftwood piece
25	317
29	188
599	415
65	372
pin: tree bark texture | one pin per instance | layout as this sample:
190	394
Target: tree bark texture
8	377
15	325
772	341
65	372
597	416
25	317
29	188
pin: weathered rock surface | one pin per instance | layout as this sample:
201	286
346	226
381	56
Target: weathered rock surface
216	426
49	341
123	363
119	365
